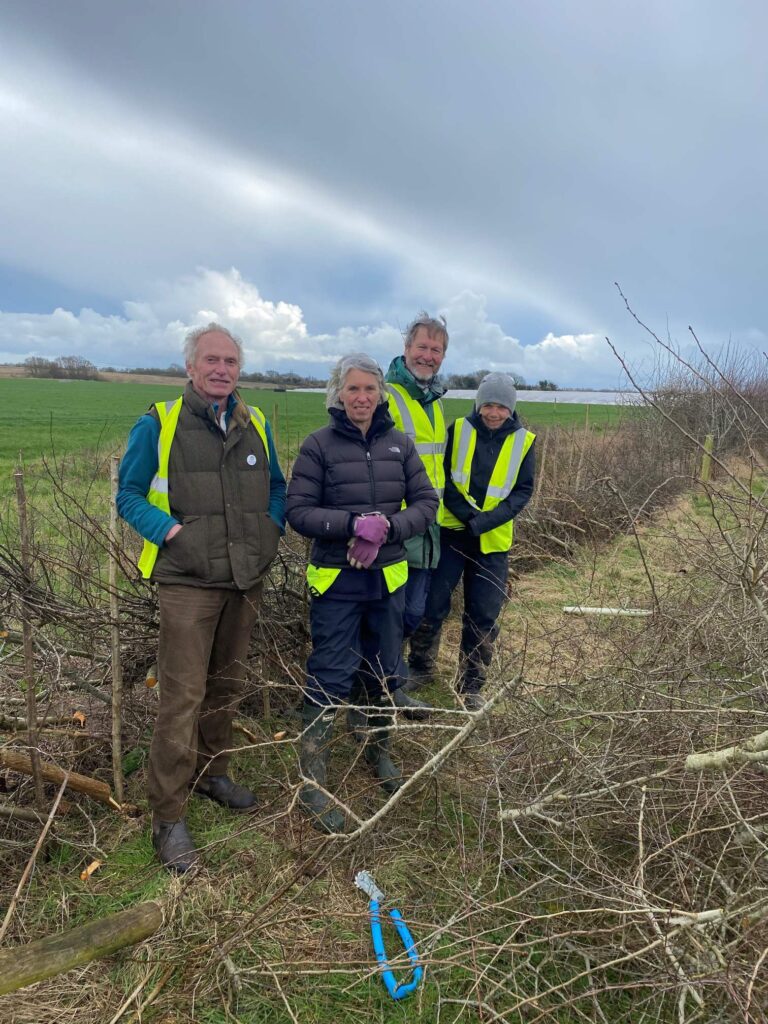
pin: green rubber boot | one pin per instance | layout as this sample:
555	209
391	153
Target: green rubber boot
313	757
376	752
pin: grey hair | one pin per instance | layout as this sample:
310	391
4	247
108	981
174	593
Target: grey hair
436	327
354	361
194	336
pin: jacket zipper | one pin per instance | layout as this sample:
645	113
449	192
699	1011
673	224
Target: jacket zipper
369	462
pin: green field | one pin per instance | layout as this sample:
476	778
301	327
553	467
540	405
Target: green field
51	417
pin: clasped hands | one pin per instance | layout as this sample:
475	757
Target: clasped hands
370	532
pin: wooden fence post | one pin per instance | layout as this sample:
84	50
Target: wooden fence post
26	631
706	459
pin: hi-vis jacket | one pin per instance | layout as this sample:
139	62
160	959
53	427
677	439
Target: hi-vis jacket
485	475
419	414
429	439
221	486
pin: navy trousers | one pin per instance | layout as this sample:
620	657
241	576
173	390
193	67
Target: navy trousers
485	589
351	637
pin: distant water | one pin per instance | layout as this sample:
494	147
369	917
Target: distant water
566	397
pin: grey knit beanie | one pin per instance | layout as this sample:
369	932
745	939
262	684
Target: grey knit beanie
498	388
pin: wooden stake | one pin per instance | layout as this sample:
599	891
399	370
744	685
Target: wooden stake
24	965
706	459
114	612
29	654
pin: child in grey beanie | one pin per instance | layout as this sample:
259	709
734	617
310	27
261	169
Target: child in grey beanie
496	389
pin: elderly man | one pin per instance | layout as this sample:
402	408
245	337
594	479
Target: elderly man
200	482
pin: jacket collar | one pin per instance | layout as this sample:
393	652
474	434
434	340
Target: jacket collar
506	428
201	407
380	423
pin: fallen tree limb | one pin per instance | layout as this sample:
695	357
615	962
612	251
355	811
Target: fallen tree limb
20	813
579	609
755	749
24	965
100	791
563	796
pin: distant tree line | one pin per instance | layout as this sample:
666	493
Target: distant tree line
174	370
273	377
294	380
470	381
63	368
77	368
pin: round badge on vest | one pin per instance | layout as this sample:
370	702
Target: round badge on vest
251	460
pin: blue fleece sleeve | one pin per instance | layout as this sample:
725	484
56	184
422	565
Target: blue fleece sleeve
137	468
276	483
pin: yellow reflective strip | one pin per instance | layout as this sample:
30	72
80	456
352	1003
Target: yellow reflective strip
319	579
461	460
258	419
395	576
403	410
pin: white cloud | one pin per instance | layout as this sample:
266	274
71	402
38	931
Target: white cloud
577	359
275	335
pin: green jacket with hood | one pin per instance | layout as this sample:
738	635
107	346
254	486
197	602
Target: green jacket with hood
422	551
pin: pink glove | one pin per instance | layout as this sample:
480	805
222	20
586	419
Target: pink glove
361	554
373	528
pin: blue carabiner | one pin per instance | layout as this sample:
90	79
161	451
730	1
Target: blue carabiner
395	990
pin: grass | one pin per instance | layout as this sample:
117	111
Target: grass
47	417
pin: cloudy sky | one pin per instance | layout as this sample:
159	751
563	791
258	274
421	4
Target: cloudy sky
314	173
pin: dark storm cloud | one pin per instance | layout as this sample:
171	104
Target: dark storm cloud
529	154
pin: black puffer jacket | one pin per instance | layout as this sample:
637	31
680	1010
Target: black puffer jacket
339	473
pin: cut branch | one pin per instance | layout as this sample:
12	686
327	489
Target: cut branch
755	749
94	788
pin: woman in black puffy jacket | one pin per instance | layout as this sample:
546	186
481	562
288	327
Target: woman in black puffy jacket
359	489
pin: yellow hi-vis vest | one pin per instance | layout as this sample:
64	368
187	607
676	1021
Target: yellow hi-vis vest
319	579
157	495
410	417
503	479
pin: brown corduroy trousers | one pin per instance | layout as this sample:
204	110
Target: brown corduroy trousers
203	646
